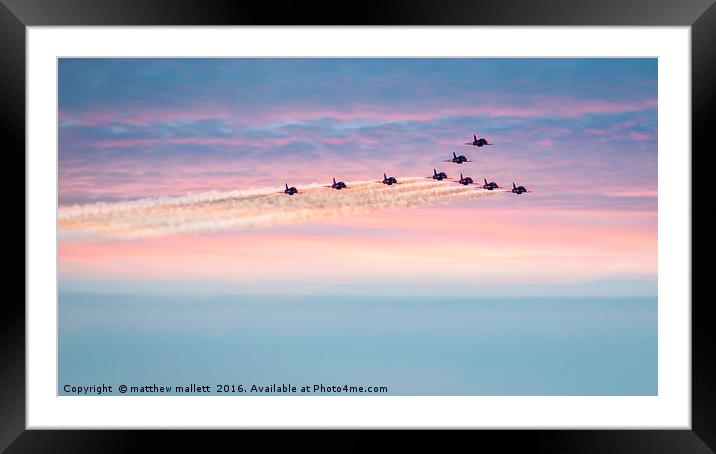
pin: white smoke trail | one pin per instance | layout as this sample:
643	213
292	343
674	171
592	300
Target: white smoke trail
254	208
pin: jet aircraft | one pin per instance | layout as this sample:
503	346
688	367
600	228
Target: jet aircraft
478	142
438	176
490	186
337	185
457	159
388	180
518	189
465	180
290	191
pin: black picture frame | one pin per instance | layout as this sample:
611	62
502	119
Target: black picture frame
16	15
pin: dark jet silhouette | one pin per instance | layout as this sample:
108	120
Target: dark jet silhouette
478	142
438	176
388	180
290	191
457	159
465	180
490	186
518	189
337	185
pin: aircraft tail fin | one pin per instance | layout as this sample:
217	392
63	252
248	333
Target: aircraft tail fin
474	137
454	155
513	185
435	171
287	186
485	180
461	177
385	175
334	180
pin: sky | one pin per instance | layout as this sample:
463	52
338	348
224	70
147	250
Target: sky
581	134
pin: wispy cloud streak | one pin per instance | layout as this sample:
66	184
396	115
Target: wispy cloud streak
251	209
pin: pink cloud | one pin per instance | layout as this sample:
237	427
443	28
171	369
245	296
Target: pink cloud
546	143
596	132
207	140
232	141
123	143
640	136
141	115
404	245
124	177
542	108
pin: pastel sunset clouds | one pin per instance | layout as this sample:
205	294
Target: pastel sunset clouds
580	133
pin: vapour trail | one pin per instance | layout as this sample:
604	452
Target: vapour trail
253	208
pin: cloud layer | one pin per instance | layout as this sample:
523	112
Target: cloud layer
137	135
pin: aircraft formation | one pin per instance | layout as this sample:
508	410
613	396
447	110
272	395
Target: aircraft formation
438	176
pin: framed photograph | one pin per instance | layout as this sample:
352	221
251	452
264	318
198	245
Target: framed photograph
462	217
